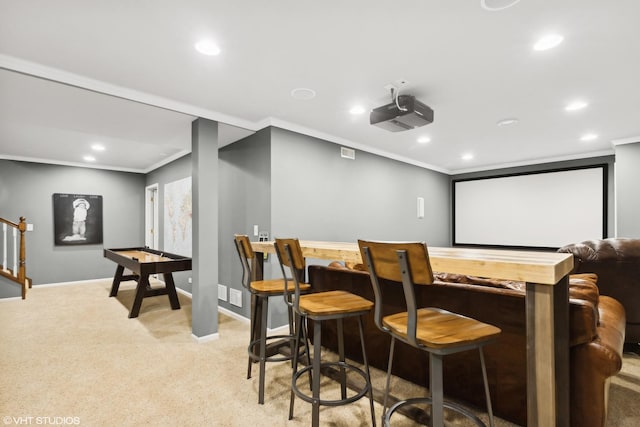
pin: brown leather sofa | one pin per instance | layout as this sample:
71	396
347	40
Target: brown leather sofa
616	261
596	339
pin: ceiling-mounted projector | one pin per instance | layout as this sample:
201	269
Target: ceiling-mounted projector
405	113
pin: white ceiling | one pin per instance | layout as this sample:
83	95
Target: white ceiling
473	66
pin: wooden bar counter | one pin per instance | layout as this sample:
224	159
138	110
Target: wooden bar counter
547	310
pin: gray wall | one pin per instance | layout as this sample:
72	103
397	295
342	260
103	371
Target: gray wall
318	195
244	188
26	189
609	160
174	171
245	201
627	190
295	185
288	184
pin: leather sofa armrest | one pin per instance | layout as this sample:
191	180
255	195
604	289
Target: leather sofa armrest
611	330
583	321
583	308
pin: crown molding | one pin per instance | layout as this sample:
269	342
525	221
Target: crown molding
622	141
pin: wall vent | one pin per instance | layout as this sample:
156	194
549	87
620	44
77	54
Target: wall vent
235	297
347	153
222	292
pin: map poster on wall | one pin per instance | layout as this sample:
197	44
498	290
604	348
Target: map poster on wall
177	217
77	219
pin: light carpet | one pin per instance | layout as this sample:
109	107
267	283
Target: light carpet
69	355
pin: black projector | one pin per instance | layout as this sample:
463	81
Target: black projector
405	114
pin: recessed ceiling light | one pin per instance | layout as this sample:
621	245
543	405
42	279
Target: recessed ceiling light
303	93
507	122
357	109
424	139
207	47
467	156
575	106
97	147
494	6
589	137
548	42
89	159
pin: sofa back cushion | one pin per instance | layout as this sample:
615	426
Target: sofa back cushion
583	299
495	301
616	261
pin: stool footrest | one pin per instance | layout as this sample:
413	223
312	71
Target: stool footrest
447	404
277	357
337	402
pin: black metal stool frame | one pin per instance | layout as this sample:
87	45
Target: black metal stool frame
260	308
436	400
317	364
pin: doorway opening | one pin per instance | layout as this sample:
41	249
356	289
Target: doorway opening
151	225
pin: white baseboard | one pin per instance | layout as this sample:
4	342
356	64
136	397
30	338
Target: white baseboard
77	282
234	315
279	330
206	338
183	292
215	336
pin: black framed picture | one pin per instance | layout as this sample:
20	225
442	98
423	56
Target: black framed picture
77	219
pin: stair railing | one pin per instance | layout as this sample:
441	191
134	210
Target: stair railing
17	259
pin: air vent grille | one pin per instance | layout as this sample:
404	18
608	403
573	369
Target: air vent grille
347	153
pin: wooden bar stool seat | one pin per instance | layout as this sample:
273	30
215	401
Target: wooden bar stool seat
434	330
320	307
333	302
445	329
260	291
274	287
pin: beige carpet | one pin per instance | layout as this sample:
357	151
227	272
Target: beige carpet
69	355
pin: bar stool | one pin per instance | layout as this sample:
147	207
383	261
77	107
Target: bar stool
437	331
261	290
320	307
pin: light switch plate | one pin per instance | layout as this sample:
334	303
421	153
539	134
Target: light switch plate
420	207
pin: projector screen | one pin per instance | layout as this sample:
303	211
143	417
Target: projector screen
536	210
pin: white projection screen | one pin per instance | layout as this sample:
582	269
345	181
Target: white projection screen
536	210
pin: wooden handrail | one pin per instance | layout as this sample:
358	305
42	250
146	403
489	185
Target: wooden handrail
21	276
12	224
